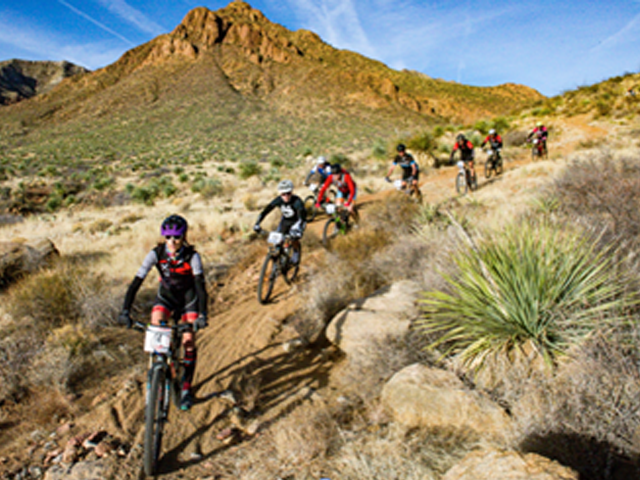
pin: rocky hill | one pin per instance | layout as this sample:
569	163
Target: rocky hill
22	79
233	70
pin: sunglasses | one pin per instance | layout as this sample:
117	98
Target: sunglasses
287	194
173	237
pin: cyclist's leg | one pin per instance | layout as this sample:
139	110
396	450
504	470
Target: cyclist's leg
189	315
163	307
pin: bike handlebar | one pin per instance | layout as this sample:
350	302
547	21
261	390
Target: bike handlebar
180	327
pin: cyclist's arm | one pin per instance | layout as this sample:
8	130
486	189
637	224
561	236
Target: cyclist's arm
274	203
414	169
306	180
201	289
391	169
325	185
352	188
150	260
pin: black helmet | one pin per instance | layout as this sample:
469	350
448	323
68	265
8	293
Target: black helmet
336	168
174	225
401	147
460	137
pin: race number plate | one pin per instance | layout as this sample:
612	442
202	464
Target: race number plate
157	339
275	238
461	165
330	208
398	184
489	152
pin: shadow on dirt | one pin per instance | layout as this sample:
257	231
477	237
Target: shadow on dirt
265	391
592	459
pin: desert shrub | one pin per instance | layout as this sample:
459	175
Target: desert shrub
16	351
249	168
250	202
605	193
422	143
482	126
379	150
100	226
206	187
585	416
535	285
501	124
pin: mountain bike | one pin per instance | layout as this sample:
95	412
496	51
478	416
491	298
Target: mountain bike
277	262
339	223
465	180
408	188
310	200
164	344
538	149
493	163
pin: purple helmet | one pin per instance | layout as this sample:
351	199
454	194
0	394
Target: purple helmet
174	225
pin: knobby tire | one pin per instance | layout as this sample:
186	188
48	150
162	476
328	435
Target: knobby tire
267	279
155	417
290	272
488	168
329	232
461	183
310	207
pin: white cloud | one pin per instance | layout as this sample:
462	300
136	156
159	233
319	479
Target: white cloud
129	14
47	46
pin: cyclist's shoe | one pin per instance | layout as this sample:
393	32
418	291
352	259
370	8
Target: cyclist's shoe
186	400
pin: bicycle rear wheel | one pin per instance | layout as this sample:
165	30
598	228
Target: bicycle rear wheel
267	279
155	417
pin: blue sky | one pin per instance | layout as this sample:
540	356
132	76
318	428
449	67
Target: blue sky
551	46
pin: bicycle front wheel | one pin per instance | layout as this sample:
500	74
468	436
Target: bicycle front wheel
155	417
329	232
488	167
461	183
267	279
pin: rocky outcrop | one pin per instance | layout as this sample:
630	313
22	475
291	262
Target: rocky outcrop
18	259
423	396
508	465
22	79
374	319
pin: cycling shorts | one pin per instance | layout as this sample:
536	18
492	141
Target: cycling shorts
346	195
407	177
185	301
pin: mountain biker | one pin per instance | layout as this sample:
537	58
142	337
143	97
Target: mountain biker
347	189
182	288
294	216
541	133
410	169
322	168
495	141
466	152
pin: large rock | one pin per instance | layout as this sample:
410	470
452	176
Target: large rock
374	319
422	396
508	465
18	259
80	471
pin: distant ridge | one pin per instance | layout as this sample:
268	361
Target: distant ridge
22	79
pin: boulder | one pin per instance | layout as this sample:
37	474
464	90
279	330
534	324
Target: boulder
80	471
423	396
494	464
374	319
18	259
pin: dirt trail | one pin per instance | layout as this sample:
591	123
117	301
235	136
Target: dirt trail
245	349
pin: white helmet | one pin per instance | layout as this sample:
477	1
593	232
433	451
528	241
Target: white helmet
321	160
285	186
492	131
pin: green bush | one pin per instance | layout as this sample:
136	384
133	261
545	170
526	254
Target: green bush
534	287
207	187
422	143
249	168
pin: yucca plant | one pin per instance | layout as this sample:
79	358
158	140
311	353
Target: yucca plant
532	286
